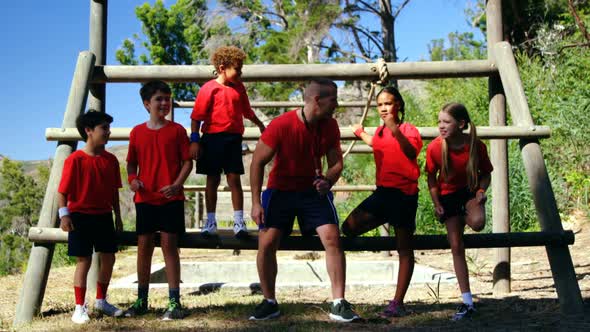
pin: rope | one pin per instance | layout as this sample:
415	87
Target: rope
383	79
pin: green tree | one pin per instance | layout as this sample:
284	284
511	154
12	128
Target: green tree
21	196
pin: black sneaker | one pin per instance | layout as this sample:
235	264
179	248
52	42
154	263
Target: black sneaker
138	308
342	312
174	311
464	311
266	310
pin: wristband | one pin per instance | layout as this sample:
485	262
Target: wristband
359	131
131	177
195	137
62	212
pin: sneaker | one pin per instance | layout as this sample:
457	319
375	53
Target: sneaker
394	309
343	312
240	230
209	229
266	310
80	315
464	311
108	309
174	311
138	308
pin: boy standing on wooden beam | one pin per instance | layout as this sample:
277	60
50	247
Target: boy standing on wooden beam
88	194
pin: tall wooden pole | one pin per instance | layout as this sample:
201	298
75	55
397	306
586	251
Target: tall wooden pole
33	290
498	154
97	95
562	267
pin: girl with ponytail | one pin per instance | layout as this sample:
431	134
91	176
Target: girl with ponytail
458	169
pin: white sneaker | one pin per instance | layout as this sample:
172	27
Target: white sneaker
240	230
108	309
80	315
210	228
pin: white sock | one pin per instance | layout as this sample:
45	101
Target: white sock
273	301
337	301
211	217
239	217
467	299
100	301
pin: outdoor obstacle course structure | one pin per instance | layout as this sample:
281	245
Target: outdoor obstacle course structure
92	74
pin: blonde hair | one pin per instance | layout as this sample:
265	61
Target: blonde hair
459	113
227	56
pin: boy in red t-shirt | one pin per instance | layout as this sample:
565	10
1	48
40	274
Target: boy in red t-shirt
88	194
458	170
220	106
158	163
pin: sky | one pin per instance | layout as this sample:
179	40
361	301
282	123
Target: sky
41	41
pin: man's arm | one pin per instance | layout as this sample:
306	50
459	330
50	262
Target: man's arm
263	154
335	166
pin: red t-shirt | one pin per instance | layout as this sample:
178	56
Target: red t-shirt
394	169
159	155
89	182
298	150
221	108
457	177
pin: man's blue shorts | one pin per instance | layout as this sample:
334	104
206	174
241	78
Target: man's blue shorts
311	209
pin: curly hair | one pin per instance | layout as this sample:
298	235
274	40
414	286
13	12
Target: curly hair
227	56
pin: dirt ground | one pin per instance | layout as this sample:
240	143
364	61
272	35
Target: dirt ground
532	304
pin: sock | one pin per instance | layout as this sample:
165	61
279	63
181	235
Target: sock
101	290
273	301
467	299
337	301
174	293
211	217
80	293
239	217
142	293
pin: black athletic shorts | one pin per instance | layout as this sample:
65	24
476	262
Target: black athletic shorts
454	203
311	209
392	206
91	231
220	152
168	218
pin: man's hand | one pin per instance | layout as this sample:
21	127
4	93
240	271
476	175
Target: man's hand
135	185
195	150
322	185
171	190
439	211
257	214
66	224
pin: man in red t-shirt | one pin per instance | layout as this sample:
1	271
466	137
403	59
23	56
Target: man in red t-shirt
296	188
220	106
159	149
88	194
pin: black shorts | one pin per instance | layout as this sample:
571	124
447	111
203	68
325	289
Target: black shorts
220	152
92	231
454	203
168	218
392	206
311	209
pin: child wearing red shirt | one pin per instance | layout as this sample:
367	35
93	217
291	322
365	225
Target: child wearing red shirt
88	194
158	163
396	145
458	170
220	106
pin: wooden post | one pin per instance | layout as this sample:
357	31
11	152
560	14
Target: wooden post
562	267
97	94
498	155
33	289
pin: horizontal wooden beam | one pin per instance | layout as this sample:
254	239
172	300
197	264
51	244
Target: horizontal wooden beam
195	240
279	104
252	134
297	72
